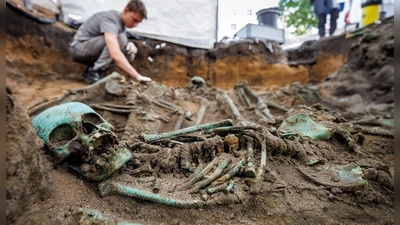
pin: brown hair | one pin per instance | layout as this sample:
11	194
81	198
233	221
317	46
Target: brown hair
138	7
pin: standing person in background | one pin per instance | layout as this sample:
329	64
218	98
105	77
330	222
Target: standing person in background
101	42
321	9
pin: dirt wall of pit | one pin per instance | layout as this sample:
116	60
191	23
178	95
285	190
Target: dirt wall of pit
35	50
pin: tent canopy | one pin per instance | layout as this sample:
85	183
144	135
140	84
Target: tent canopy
186	22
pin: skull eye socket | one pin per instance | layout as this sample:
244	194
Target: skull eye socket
61	135
88	127
92	118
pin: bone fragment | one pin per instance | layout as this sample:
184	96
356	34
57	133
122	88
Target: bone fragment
203	195
200	115
276	106
129	127
156	187
201	174
131	97
179	121
145	168
212	177
147	179
243	97
153	137
211	190
260	102
229	175
234	110
162	103
256	186
230	187
250	169
42	100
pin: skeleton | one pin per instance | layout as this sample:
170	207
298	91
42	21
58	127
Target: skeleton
221	158
246	95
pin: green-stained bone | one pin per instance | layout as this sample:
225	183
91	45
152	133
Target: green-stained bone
200	175
230	187
156	187
212	177
250	169
153	137
212	190
303	125
230	174
114	188
243	96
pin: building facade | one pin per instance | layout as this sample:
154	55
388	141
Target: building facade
233	15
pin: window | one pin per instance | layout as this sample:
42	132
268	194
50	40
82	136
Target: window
249	12
233	26
233	12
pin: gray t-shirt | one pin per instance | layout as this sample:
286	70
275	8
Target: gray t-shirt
96	25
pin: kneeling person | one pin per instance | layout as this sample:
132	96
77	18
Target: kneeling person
101	42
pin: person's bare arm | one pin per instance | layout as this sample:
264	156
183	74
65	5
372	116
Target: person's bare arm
118	57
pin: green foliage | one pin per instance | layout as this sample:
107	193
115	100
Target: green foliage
299	14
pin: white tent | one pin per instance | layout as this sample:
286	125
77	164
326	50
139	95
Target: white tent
187	22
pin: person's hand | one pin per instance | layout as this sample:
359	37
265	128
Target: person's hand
143	79
131	48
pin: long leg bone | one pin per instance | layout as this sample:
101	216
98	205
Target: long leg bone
153	137
107	188
235	112
260	102
242	96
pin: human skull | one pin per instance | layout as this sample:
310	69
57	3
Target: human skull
197	83
75	131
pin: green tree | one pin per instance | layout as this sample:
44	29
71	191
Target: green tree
299	14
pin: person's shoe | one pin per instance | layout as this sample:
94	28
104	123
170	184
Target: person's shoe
91	76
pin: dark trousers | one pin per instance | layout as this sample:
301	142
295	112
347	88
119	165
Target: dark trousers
321	7
94	52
